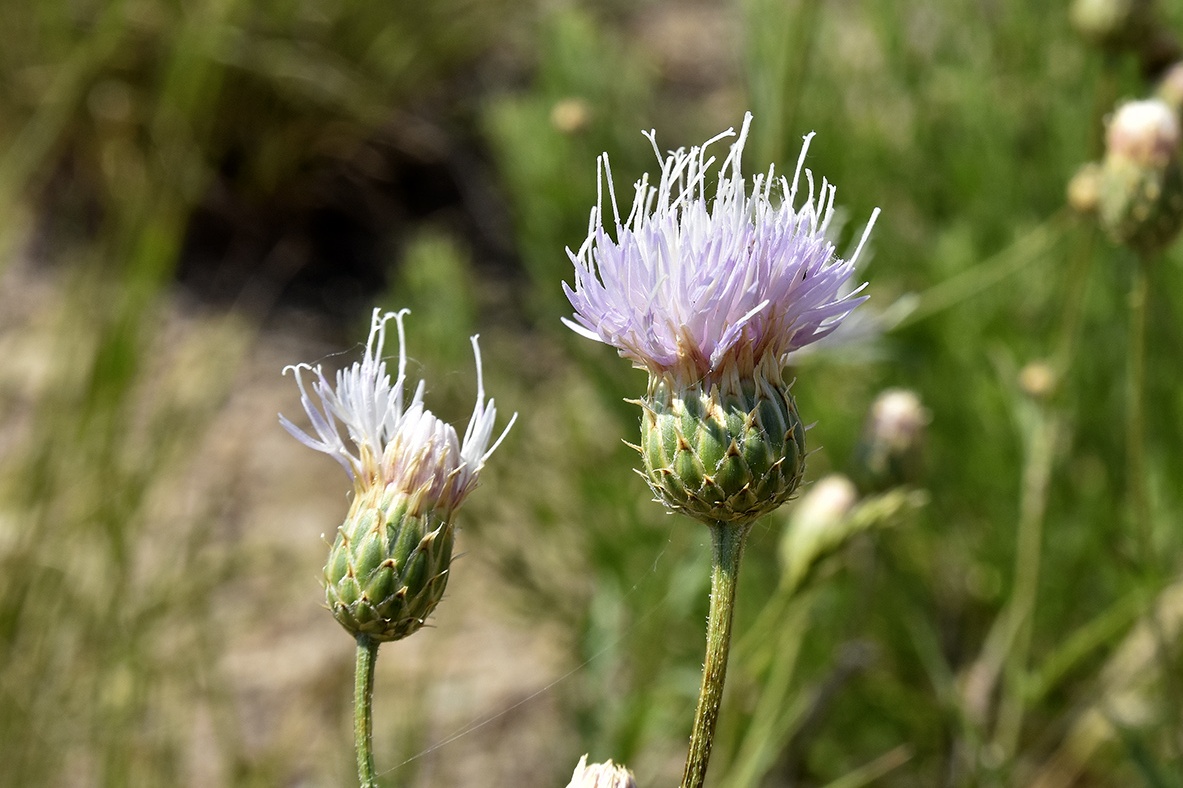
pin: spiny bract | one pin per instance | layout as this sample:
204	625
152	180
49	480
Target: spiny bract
731	454
388	568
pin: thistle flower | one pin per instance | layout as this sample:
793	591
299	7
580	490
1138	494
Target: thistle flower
891	448
388	565
709	287
1141	182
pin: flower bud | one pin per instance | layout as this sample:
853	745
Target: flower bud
1113	24
601	775
1145	133
1141	196
891	450
1084	190
815	525
1170	87
571	115
730	453
1038	380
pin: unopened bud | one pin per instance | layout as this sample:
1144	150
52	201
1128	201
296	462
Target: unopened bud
1141	198
1113	24
1084	190
1037	380
570	115
824	504
816	525
891	450
601	775
1145	133
1170	87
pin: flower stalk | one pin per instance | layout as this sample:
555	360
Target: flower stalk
363	710
727	543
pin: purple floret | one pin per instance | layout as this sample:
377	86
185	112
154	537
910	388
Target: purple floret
686	283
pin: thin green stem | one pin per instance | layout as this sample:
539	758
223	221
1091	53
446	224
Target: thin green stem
1136	464
363	710
775	712
1136	415
1007	651
1033	506
727	543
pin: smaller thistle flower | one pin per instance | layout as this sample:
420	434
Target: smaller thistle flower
891	450
601	775
710	290
388	565
1141	183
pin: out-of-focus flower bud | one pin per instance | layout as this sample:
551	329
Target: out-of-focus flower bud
1141	197
1037	380
1170	88
816	525
891	449
570	115
1113	24
1084	190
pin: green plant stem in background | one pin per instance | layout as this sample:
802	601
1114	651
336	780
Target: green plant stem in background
777	713
363	710
1037	472
727	543
1136	467
1136	416
1040	457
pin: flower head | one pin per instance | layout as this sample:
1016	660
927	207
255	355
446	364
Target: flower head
689	285
1140	199
891	449
709	286
1145	132
392	443
389	563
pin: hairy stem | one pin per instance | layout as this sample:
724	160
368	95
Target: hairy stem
727	543
363	710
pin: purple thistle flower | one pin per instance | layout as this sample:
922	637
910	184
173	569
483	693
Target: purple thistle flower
693	287
398	447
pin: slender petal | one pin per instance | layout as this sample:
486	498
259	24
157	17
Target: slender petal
392	442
